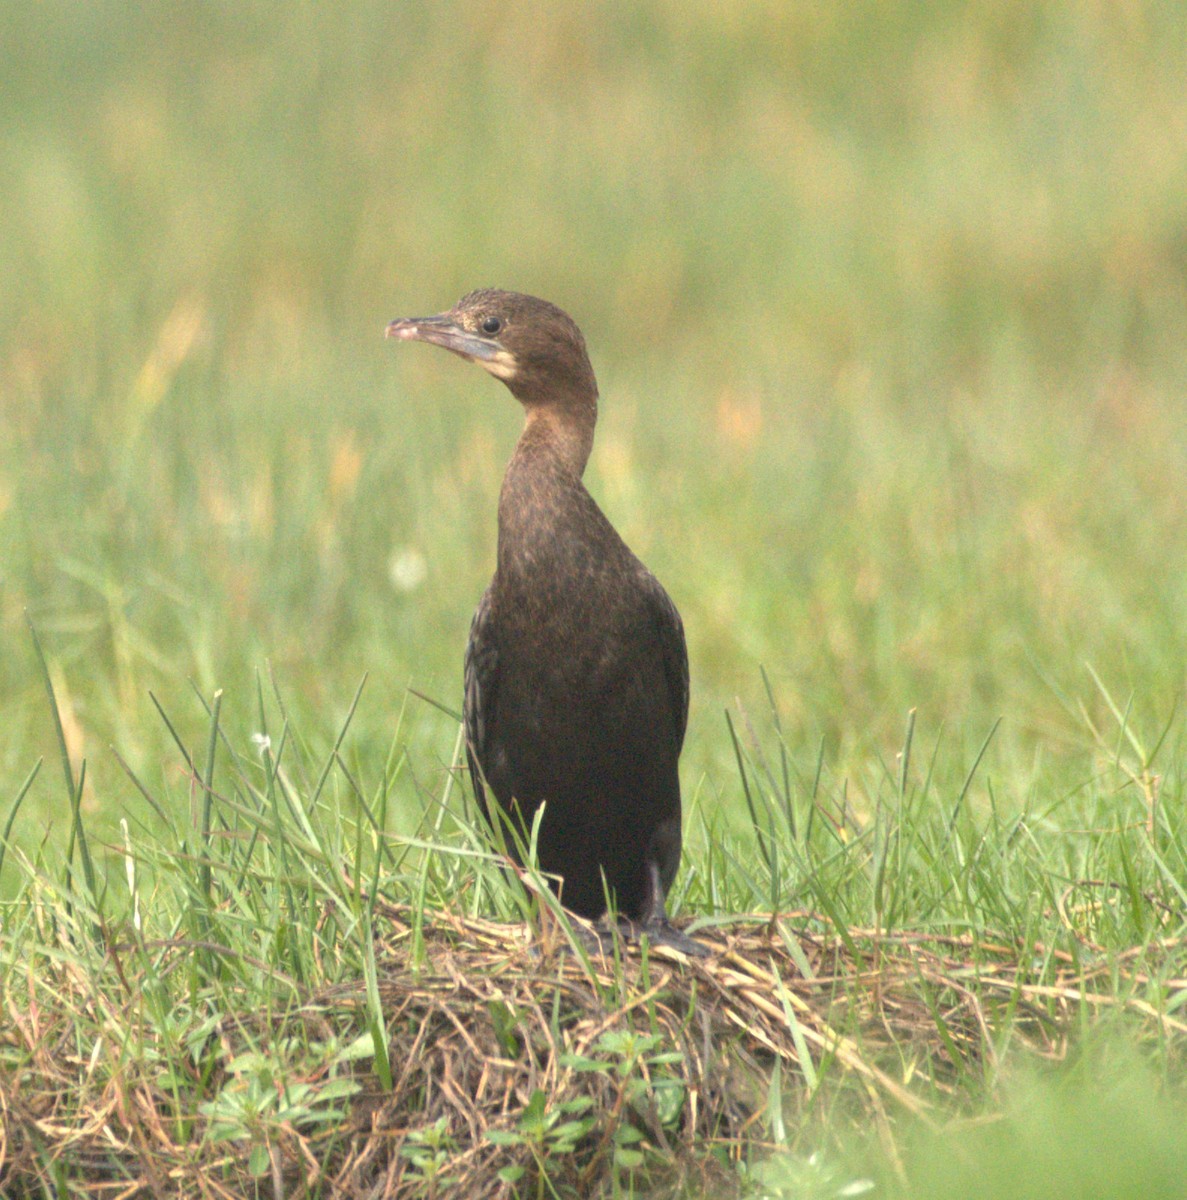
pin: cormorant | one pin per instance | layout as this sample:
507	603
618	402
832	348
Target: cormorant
576	671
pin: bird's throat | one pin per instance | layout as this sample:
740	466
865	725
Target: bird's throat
561	436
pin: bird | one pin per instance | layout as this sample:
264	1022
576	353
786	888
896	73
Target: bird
576	670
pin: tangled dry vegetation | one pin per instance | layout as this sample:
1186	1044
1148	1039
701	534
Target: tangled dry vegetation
513	1057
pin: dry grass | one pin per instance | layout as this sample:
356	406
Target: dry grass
521	1067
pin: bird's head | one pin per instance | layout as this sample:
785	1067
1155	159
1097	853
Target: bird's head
534	347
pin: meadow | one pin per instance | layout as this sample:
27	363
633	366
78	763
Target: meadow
888	306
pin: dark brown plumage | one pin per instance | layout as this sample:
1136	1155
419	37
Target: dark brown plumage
576	672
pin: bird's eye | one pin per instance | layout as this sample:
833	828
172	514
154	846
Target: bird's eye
492	325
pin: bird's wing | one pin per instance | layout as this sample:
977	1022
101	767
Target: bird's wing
481	673
675	652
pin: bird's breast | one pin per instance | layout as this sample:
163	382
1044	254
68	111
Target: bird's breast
569	603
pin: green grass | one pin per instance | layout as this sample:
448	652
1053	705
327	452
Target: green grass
887	304
1100	1126
263	957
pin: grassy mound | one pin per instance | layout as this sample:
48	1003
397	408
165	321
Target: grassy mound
278	995
507	1059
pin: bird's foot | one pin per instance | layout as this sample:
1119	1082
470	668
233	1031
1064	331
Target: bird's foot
604	937
598	938
661	932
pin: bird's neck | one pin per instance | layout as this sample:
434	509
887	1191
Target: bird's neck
557	438
542	492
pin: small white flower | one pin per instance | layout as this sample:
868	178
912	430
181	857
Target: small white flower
262	742
407	569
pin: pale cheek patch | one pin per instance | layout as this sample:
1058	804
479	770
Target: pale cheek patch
502	366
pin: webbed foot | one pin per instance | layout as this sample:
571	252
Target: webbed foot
655	924
662	932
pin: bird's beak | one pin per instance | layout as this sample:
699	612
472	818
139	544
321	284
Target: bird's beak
444	330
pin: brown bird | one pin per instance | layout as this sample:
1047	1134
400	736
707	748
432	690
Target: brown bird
576	672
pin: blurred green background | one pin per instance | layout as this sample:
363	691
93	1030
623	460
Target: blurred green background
1100	1126
888	304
